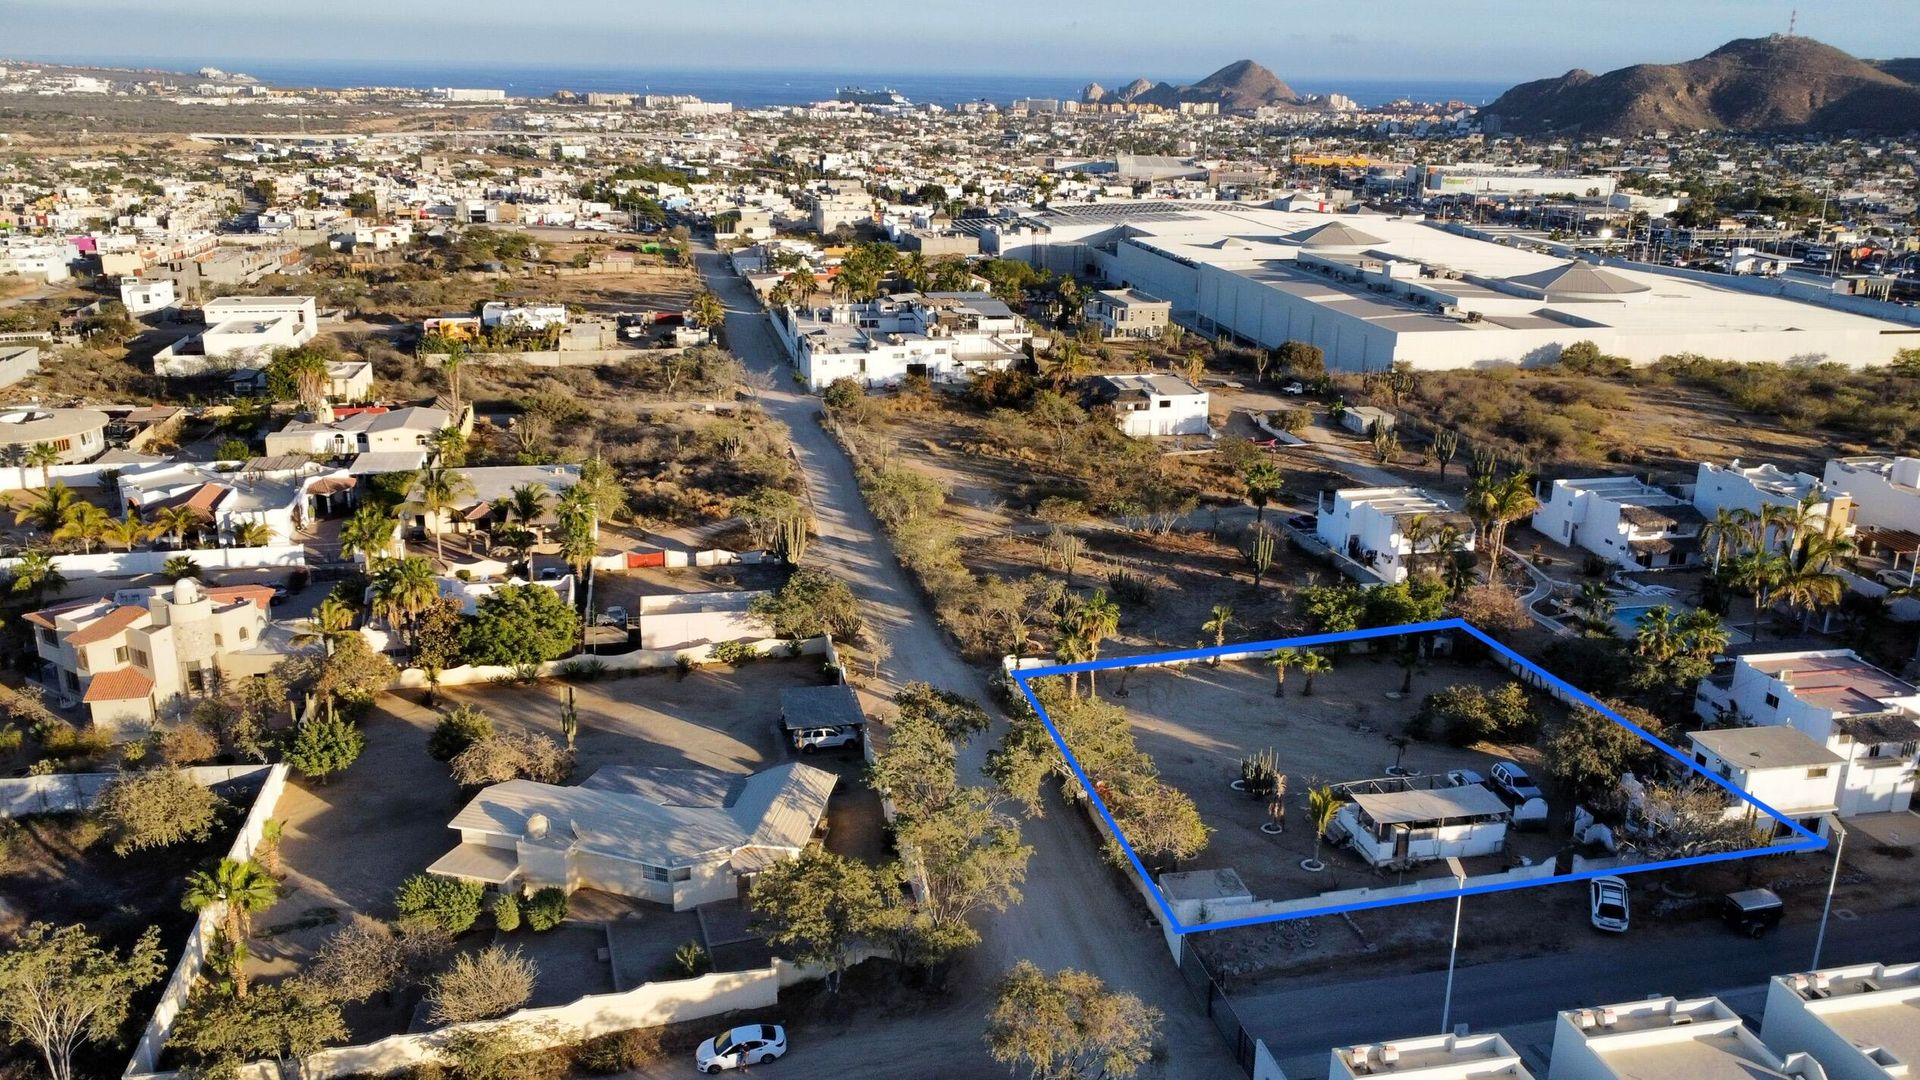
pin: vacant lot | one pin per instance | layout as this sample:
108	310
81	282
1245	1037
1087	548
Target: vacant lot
1198	726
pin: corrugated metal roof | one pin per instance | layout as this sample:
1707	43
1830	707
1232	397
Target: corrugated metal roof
1469	800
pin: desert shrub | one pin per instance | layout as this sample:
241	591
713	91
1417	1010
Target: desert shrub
734	652
506	912
482	986
451	905
618	1052
546	909
586	670
459	728
156	808
691	960
185	744
1468	714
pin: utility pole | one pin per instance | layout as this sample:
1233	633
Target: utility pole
1833	879
1453	953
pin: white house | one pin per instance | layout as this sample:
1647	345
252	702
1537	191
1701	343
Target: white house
1378	527
360	432
144	296
1365	419
1431	1057
1750	487
489	489
681	837
241	331
1665	1037
283	493
1149	405
1857	1022
943	336
1863	714
526	317
1399	828
1622	520
1778	765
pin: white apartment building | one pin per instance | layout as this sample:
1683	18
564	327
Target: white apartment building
241	331
1370	526
1431	1057
144	296
943	336
1149	405
1665	1038
50	261
1778	765
1858	1022
1129	314
1867	717
832	209
128	656
1624	521
1885	490
1750	487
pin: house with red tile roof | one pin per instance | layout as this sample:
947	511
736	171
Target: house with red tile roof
122	662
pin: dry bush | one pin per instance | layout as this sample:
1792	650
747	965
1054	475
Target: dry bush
482	986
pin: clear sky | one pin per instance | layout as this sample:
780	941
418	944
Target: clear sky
1488	40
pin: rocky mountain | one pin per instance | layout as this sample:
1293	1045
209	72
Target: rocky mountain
1753	84
1906	69
1241	86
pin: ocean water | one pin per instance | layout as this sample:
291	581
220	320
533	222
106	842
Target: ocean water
753	88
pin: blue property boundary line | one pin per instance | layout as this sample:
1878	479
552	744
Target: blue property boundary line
1808	841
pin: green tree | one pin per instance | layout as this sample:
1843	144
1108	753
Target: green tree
155	808
61	989
35	574
1159	820
402	589
285	1022
368	534
448	903
324	745
1069	1026
811	603
816	907
1496	504
458	728
520	624
1588	752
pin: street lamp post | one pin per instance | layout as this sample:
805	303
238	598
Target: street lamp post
1453	953
1833	879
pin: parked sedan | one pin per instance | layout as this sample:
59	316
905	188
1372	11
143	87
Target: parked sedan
750	1044
1607	904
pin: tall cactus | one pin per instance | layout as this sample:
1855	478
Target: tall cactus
790	538
570	720
1260	553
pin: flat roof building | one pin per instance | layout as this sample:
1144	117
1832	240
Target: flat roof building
1859	1023
1665	1038
1431	1057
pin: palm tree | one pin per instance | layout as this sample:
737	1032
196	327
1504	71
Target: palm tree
1807	584
43	456
125	532
579	521
1500	503
1073	648
707	309
36	575
1702	635
449	445
252	534
1323	805
403	589
1099	619
1263	481
1657	636
1595	604
526	503
914	269
1312	663
178	521
368	534
450	364
239	889
440	491
48	510
1726	532
1218	626
332	620
181	567
86	523
1759	571
1282	659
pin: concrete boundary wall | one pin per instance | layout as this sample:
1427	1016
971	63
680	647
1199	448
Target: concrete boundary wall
637	660
146	1054
559	358
67	793
127	563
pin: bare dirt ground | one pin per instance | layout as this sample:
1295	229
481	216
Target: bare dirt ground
1197	727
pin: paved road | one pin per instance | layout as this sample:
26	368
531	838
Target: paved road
1074	913
1521	994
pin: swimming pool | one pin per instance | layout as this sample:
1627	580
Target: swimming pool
1628	613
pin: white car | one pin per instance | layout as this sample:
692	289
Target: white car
750	1044
1293	388
810	739
1607	904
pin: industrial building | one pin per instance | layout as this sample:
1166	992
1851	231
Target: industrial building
1375	290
